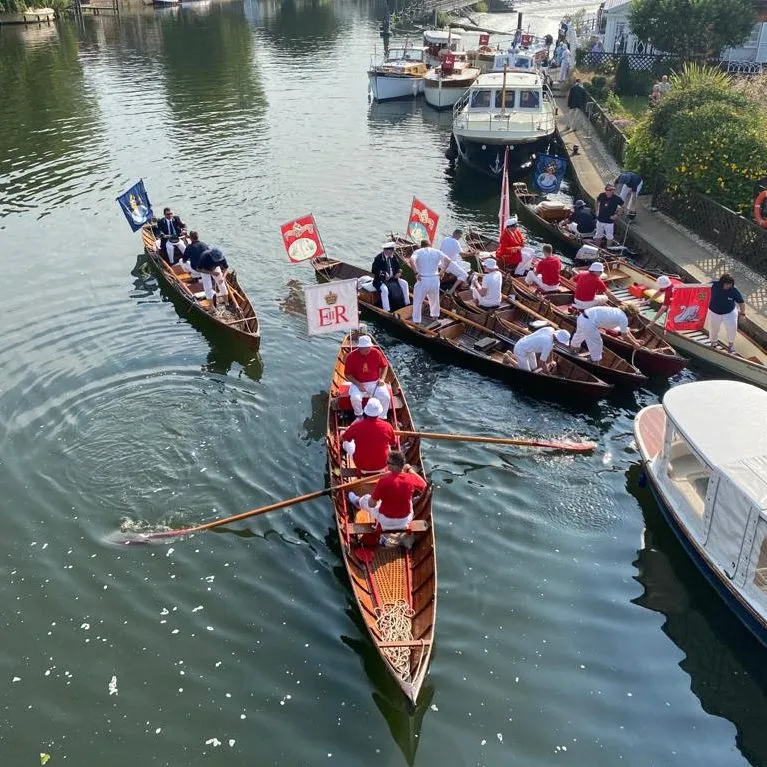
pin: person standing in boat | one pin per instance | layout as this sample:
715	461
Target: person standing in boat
369	440
391	502
609	207
665	289
488	293
365	369
386	270
428	264
212	267
545	276
190	259
592	321
581	221
172	228
725	305
590	288
451	247
508	255
533	351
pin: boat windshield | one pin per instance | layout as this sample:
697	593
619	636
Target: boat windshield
529	99
688	473
480	99
509	101
405	54
523	62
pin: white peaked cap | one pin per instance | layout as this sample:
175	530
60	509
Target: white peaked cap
663	282
511	220
389	246
597	267
373	408
562	336
364	342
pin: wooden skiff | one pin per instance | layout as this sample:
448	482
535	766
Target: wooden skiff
239	322
463	342
395	588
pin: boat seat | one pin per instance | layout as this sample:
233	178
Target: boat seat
343	402
486	344
364	528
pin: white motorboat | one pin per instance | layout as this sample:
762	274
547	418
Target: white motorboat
438	42
500	109
705	455
400	75
494	59
446	84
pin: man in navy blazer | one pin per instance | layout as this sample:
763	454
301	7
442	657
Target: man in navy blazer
171	229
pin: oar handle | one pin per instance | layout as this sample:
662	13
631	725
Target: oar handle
577	447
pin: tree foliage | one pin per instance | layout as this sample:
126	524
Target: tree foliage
694	30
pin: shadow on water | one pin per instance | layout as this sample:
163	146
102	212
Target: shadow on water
724	661
316	424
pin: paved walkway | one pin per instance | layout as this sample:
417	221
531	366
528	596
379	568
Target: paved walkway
653	233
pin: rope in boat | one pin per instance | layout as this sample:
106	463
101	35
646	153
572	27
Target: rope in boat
394	624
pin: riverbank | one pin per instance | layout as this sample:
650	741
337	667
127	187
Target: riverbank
652	234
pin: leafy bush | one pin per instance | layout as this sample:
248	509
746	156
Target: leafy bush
597	87
480	7
12	6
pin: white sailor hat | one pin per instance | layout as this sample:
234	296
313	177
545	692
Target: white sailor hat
373	408
364	342
389	246
663	282
562	336
511	221
490	264
597	267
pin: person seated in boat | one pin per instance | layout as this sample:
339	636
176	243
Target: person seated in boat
451	247
533	351
509	252
590	289
725	304
190	259
665	289
172	229
391	502
488	293
365	369
545	276
212	267
369	440
428	264
581	221
611	318
387	279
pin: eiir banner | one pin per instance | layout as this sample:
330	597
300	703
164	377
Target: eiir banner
331	306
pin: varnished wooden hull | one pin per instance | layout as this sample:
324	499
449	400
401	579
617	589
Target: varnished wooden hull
393	574
245	330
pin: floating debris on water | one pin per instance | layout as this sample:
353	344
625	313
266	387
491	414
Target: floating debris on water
113	686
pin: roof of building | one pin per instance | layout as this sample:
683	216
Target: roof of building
612	4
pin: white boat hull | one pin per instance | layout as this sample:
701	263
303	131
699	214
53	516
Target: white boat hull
442	98
388	87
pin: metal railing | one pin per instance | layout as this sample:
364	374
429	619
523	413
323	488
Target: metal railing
612	137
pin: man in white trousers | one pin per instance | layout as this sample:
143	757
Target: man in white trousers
609	207
365	369
212	267
386	268
629	185
591	321
451	247
172	229
428	264
533	351
488	293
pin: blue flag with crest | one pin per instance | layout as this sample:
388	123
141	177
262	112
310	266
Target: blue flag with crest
549	172
136	206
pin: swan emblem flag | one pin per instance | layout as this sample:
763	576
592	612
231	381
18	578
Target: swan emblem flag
688	307
136	206
301	239
422	224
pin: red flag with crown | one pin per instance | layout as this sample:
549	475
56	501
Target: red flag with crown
422	224
301	239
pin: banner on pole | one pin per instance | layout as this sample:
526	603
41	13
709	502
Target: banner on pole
422	224
549	173
331	306
301	239
136	206
688	307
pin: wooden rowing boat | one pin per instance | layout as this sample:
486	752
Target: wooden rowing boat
750	358
239	322
514	317
472	345
655	357
395	587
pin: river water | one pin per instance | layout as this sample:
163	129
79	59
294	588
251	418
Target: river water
571	628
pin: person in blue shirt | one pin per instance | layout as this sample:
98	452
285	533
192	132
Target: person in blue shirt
725	305
629	185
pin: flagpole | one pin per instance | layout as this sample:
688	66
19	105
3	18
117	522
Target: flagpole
409	219
319	238
503	91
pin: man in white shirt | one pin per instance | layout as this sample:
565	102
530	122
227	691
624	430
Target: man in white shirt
451	247
428	264
488	293
533	351
596	318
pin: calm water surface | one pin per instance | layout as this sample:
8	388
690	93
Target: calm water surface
571	628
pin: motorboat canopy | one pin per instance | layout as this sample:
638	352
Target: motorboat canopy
442	37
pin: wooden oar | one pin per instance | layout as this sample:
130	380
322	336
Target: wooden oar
575	447
146	537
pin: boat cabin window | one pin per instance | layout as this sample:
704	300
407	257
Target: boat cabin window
529	99
523	62
760	574
405	54
509	103
480	99
688	473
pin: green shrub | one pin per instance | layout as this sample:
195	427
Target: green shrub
12	6
644	153
480	7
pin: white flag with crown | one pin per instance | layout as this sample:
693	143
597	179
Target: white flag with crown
331	306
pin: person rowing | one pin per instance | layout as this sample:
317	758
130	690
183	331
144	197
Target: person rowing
545	276
368	441
590	289
488	292
213	267
610	318
533	352
365	369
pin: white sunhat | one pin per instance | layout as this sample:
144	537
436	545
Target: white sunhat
373	408
389	246
511	221
490	264
663	282
364	342
562	336
597	267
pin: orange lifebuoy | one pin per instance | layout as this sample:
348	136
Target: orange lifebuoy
758	217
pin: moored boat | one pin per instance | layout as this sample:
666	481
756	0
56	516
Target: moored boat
395	587
439	42
239	321
446	84
400	75
704	451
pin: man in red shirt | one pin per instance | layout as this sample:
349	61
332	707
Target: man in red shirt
509	252
369	440
589	287
365	369
665	289
391	502
546	274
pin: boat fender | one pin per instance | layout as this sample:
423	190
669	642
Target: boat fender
758	217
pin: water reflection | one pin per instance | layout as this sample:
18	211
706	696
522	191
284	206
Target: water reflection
724	661
300	28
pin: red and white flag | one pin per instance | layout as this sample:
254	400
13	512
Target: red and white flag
505	209
422	224
301	239
688	307
331	306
